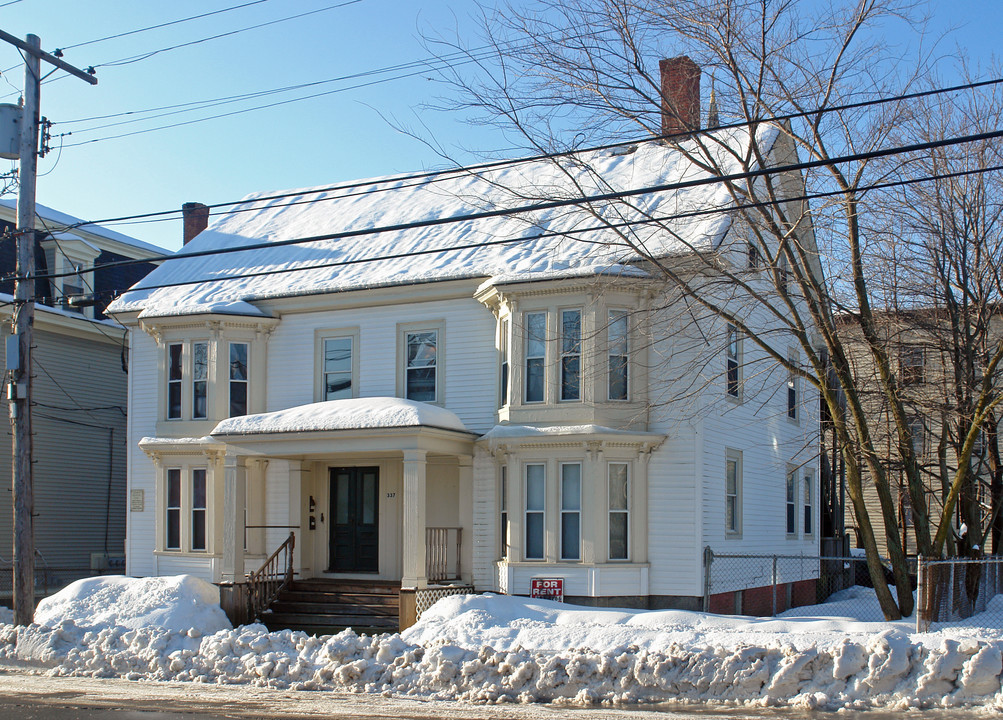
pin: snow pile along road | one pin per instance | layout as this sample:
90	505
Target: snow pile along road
490	648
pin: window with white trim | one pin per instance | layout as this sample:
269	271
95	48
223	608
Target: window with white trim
503	347
791	502
420	366
536	354
619	511
175	378
571	511
571	354
618	343
200	379
186	509
536	492
792	388
239	352
807	499
338	367
733	492
733	352
503	504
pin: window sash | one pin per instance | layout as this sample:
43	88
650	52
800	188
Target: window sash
503	380
571	354
503	504
791	504
338	368
536	485
807	505
420	366
199	507
174	378
618	335
238	378
619	511
172	529
571	511
536	352
732	380
731	508
792	393
200	380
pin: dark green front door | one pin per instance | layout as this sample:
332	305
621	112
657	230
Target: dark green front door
354	519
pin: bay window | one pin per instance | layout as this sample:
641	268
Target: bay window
536	491
571	355
536	352
186	509
619	518
616	330
175	375
200	380
571	511
238	379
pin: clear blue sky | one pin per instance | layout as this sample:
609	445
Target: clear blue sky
337	137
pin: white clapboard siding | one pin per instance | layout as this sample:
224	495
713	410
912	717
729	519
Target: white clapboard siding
143	389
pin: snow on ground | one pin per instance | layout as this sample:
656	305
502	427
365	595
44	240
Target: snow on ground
496	649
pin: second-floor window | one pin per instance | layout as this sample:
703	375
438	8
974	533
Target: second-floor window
337	368
911	362
503	347
571	355
618	348
200	379
175	377
536	354
238	378
733	351
792	390
421	347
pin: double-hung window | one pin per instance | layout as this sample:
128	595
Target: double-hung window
175	377
571	355
200	380
733	492
733	351
421	348
536	353
337	368
617	333
792	389
571	511
536	491
619	511
503	503
807	498
791	504
238	378
186	497
503	348
911	362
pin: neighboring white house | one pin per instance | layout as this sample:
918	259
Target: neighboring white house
516	389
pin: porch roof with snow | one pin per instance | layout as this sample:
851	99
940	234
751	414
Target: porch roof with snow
352	425
403	229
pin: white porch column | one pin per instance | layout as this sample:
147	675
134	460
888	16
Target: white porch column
466	499
414	520
234	507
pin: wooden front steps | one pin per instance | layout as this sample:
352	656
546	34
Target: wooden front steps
323	606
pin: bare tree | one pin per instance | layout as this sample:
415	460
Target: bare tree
791	82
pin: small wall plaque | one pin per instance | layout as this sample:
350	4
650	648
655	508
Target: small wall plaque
137	500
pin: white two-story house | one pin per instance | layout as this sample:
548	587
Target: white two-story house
465	376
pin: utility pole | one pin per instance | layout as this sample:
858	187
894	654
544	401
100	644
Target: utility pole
19	388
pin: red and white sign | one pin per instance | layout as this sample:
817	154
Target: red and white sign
548	589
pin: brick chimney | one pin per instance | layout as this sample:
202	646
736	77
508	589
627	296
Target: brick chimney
680	95
196	217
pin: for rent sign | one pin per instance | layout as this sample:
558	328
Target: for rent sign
548	589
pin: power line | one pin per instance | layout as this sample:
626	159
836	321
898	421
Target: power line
576	231
561	203
495	164
144	56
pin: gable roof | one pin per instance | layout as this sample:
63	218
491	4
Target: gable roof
561	241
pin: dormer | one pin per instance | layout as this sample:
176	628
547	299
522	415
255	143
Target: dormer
70	258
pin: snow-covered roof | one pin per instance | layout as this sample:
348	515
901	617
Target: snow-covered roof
527	244
352	414
57	221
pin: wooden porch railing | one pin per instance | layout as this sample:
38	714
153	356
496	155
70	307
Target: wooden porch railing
265	583
440	563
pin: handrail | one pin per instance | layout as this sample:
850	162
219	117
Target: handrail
438	564
265	583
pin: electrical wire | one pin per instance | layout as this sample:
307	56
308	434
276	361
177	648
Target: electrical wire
533	238
173	214
144	56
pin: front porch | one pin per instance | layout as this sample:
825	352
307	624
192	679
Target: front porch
379	505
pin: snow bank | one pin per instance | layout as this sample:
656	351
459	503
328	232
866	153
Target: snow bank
180	603
496	649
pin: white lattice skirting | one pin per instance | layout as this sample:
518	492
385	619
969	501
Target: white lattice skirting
427	597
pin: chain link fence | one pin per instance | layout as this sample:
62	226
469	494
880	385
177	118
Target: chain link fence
767	585
956	590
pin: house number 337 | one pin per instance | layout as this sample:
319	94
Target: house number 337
391	495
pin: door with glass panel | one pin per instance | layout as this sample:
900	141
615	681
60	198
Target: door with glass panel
354	519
